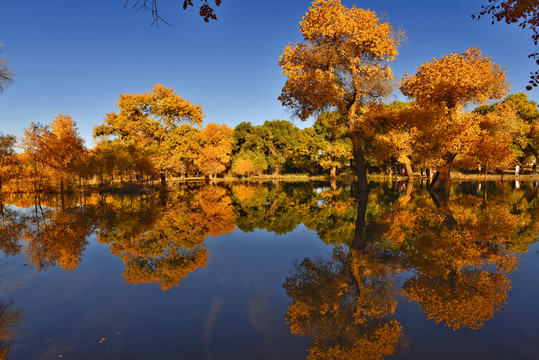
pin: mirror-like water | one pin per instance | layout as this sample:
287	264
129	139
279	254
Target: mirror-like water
278	271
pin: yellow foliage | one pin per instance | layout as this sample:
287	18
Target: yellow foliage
456	79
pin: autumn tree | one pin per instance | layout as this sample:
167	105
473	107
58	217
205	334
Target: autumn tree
341	64
244	164
7	153
64	148
185	147
34	144
441	89
148	120
523	12
216	141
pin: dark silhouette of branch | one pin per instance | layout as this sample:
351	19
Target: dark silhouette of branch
206	11
526	14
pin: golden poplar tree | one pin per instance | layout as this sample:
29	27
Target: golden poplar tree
341	64
441	89
148	120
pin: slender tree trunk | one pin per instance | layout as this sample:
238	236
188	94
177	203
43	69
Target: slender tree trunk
359	162
442	178
163	179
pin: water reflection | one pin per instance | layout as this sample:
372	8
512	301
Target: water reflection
161	240
450	255
10	318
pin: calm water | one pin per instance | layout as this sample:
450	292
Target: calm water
279	271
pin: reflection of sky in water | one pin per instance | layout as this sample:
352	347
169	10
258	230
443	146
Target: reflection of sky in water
234	307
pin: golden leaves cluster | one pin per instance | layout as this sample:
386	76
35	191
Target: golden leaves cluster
342	55
455	80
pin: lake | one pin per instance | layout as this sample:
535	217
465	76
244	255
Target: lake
273	271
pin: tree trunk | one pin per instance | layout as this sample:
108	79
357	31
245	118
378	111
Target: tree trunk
408	167
359	162
333	173
442	179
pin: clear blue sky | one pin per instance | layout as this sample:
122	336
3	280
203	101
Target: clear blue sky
75	57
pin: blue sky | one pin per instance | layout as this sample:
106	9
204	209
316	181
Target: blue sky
75	57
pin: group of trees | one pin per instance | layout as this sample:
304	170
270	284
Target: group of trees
339	73
342	64
159	134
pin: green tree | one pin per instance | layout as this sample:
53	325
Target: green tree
337	148
527	110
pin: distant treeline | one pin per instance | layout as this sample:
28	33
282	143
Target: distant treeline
158	135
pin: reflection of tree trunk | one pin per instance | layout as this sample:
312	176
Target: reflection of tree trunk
442	178
359	160
360	240
163	179
441	200
409	187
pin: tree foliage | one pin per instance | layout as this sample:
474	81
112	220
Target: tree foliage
440	90
149	120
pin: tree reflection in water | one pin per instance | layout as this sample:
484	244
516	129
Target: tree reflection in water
458	253
9	321
451	256
162	242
